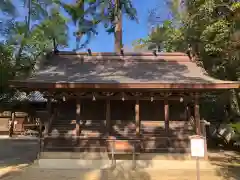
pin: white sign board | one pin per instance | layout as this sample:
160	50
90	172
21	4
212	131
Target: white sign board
197	147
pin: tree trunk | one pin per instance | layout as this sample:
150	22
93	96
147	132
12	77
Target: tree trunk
234	101
118	28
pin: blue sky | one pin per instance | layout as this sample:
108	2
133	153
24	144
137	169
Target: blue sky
132	30
104	42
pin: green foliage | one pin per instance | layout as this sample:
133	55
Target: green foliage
7	7
6	66
88	14
212	28
26	39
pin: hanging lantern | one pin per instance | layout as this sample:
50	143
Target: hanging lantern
94	98
152	99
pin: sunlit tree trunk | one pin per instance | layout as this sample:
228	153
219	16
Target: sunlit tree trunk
118	28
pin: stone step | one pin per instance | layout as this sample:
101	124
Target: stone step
63	125
153	168
174	150
106	155
75	149
74	155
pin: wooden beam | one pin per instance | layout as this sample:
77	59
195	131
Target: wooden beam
108	117
78	113
137	118
167	86
197	114
166	115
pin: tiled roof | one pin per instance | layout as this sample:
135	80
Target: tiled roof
111	68
34	96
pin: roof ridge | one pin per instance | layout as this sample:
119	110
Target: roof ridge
119	54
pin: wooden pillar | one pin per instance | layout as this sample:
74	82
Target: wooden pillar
203	127
40	128
166	115
78	113
137	118
197	114
187	112
47	122
108	117
11	128
40	139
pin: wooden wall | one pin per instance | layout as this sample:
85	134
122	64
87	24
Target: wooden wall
123	116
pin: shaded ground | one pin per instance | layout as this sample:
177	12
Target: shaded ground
25	151
17	151
228	163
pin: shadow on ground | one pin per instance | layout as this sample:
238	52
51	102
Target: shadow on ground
18	151
227	162
121	173
229	172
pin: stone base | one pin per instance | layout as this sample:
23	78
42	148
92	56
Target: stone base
140	164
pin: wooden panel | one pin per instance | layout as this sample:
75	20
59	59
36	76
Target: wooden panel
93	128
123	119
120	146
93	110
180	125
19	127
5	114
166	115
181	129
108	118
123	129
177	111
21	114
197	115
4	124
123	110
67	110
154	143
72	145
153	111
153	129
137	118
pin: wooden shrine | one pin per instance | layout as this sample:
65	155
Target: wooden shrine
151	97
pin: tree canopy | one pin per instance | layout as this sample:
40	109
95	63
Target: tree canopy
209	30
35	27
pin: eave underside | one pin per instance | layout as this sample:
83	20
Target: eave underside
123	86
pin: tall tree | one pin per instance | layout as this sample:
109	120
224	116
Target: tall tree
166	34
88	14
25	39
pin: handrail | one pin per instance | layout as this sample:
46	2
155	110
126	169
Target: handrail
41	139
53	116
113	151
